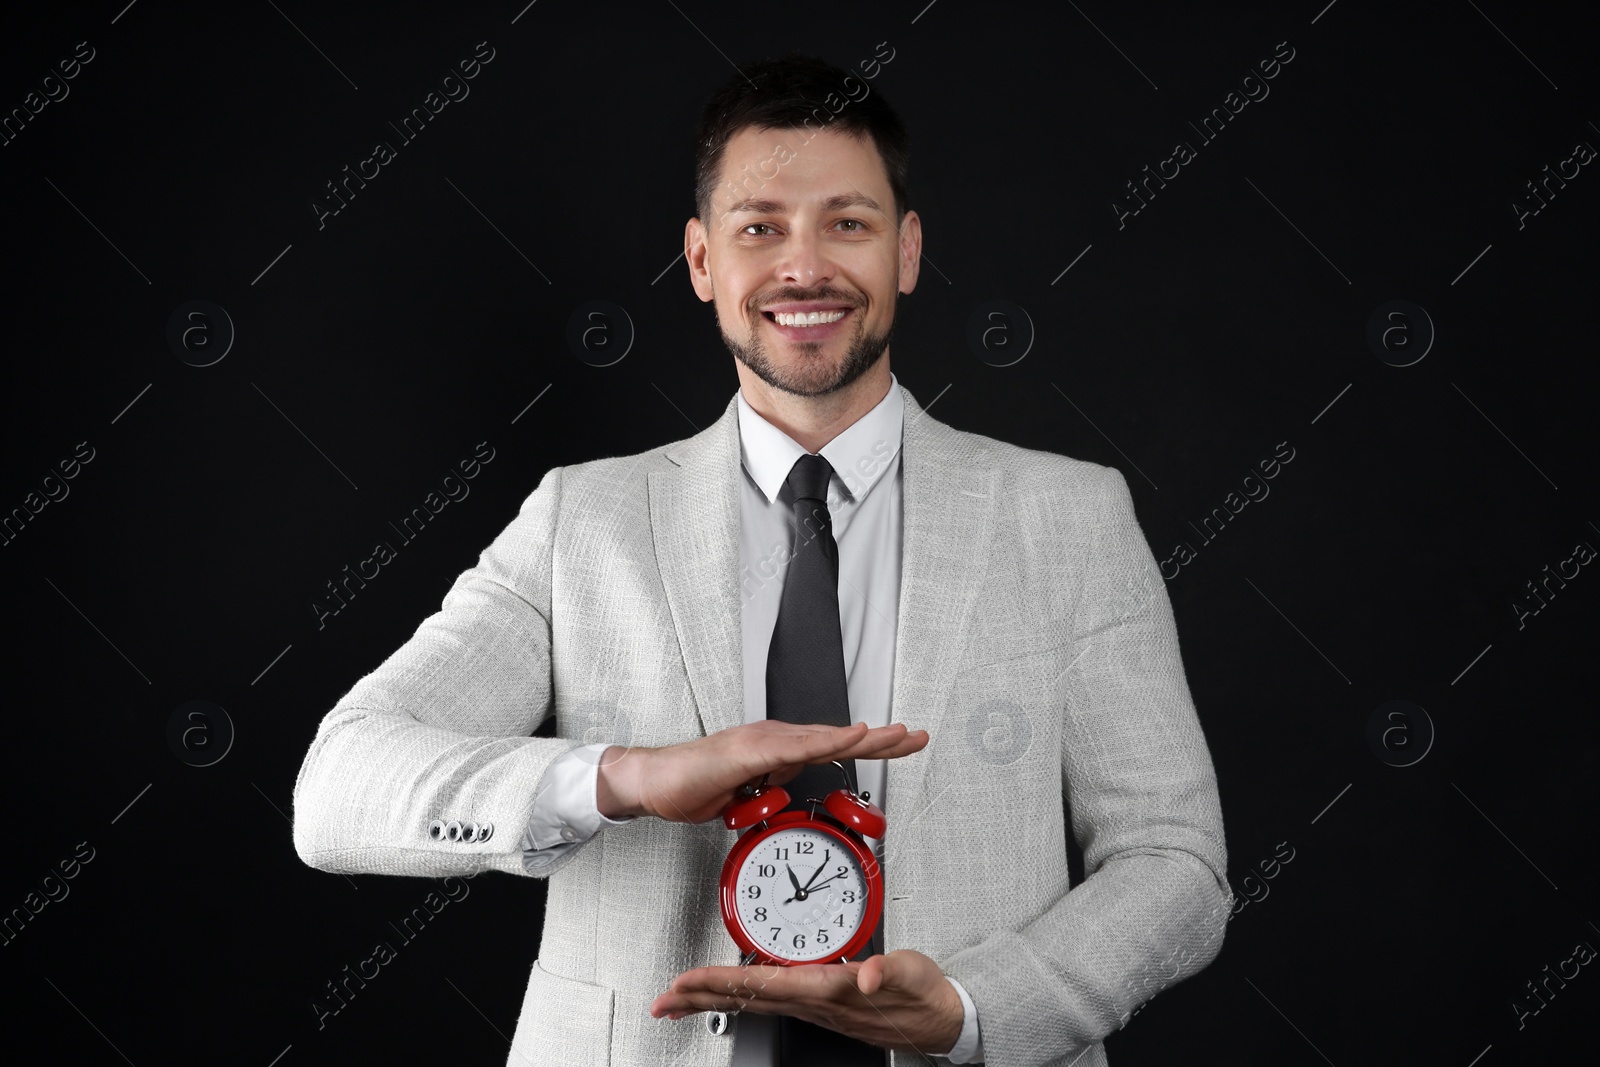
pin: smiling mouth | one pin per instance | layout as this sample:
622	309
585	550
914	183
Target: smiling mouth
806	320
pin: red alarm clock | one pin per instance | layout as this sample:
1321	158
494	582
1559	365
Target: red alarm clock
802	886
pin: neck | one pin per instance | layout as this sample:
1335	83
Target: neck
813	421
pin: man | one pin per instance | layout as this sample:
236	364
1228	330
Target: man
1005	654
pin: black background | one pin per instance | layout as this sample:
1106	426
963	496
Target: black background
374	353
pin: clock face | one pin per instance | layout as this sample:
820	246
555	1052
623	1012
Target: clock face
801	894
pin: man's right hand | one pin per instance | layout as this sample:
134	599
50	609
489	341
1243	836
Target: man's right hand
693	781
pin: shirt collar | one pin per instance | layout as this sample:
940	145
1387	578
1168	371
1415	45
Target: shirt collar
859	455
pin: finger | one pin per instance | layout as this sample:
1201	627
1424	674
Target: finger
818	744
874	745
890	743
870	978
786	754
833	743
783	745
678	1005
828	742
723	979
901	744
863	743
675	1004
869	749
733	1007
760	989
744	983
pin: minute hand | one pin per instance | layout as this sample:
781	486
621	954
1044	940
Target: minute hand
825	854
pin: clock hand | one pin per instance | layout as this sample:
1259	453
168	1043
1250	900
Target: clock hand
825	854
813	888
820	884
800	891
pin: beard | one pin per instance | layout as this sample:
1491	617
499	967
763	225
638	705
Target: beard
811	373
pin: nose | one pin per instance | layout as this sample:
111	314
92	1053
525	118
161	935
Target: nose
805	261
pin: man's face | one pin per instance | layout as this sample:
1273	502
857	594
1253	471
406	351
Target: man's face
806	227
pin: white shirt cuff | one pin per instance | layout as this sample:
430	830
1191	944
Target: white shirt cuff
969	1046
566	812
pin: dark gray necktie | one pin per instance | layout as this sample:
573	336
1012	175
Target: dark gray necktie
805	662
806	684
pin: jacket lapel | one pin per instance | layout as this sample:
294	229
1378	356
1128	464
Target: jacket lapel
694	521
949	501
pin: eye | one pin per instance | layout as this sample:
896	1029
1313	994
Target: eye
752	225
857	223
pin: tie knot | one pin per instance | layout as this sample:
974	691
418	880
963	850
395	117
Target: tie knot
808	479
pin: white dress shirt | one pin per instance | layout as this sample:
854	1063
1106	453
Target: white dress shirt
867	525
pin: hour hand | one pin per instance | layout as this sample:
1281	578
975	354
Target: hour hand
792	879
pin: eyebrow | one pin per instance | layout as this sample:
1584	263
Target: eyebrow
837	202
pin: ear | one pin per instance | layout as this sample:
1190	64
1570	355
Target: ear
697	252
910	261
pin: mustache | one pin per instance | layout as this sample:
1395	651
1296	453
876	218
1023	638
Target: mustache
799	296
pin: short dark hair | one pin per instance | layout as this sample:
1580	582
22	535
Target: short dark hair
788	93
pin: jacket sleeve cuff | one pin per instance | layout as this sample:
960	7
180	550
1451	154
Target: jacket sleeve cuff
566	812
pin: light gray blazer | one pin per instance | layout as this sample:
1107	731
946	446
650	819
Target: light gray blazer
1036	645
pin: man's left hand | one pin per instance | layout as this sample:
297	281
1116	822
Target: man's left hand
900	1000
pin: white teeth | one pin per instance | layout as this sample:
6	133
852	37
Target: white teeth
808	318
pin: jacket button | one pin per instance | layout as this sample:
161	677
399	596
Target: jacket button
469	832
436	829
452	830
717	1022
568	834
485	829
